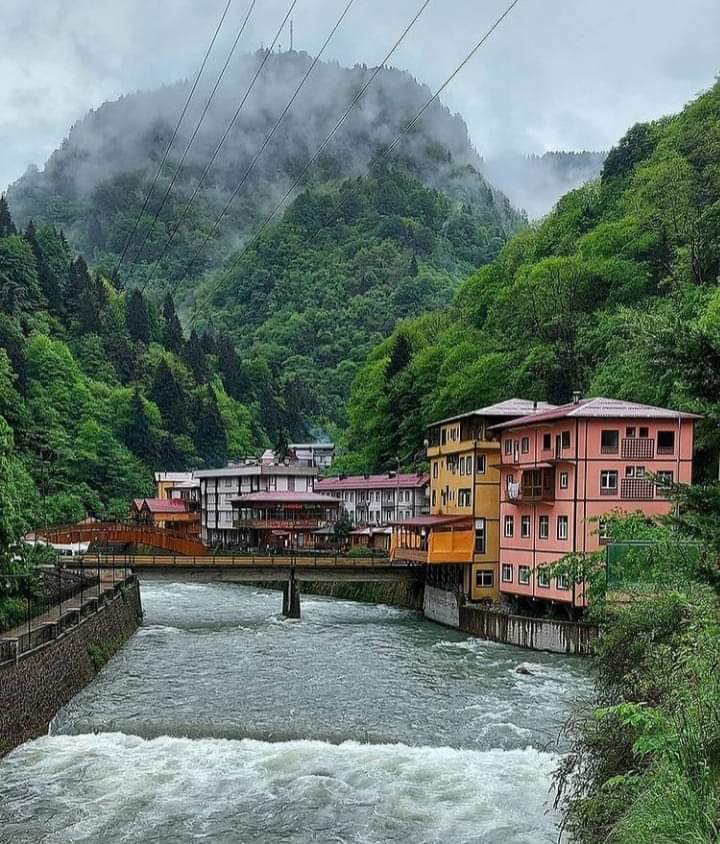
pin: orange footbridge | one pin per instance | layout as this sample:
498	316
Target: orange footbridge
125	533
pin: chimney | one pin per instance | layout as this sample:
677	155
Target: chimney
576	397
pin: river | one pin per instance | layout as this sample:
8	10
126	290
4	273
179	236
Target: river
222	722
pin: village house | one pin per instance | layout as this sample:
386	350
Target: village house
564	468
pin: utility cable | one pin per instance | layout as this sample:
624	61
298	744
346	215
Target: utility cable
196	130
215	154
172	140
319	150
186	272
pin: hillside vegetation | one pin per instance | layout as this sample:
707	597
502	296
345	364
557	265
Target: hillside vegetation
614	293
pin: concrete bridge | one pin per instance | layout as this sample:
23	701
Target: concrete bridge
289	569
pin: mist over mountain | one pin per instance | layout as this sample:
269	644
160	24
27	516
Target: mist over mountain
536	182
93	185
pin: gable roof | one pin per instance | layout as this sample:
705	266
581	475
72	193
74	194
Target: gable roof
403	481
598	408
510	407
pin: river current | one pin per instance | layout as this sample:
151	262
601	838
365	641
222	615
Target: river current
222	722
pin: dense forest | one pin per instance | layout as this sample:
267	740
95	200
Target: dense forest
98	387
614	293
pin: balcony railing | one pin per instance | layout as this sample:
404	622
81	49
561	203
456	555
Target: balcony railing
638	448
637	489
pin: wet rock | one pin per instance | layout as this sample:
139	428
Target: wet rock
524	668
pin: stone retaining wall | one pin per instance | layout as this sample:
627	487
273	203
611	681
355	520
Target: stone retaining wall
34	687
539	634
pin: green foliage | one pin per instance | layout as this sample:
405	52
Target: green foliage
614	293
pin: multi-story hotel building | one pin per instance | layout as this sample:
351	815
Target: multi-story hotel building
257	501
462	528
563	469
378	500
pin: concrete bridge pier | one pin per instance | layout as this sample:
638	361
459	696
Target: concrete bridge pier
291	598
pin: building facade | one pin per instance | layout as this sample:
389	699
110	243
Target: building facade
563	469
315	454
379	500
220	489
462	528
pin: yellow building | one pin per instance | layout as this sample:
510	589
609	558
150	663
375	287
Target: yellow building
463	528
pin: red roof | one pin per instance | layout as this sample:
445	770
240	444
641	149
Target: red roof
161	505
284	498
372	482
598	408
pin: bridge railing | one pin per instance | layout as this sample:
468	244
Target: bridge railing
247	561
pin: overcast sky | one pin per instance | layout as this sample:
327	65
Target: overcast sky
558	74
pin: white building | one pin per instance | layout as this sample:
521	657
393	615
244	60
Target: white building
316	454
218	488
379	499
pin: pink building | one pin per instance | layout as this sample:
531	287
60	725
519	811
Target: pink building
563	469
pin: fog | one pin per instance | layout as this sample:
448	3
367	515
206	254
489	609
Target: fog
558	74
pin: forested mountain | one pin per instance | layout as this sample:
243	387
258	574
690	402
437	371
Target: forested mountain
98	387
614	293
536	182
368	241
94	184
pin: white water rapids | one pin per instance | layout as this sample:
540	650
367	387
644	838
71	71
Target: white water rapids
220	722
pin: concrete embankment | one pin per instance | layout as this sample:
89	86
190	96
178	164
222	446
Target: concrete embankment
407	594
42	670
539	634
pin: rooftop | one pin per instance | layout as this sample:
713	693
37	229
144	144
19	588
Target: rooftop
161	505
434	521
385	481
511	407
284	498
598	408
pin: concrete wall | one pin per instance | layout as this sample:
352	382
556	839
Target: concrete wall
539	634
442	606
405	593
34	688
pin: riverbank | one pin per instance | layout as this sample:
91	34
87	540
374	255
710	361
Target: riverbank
44	668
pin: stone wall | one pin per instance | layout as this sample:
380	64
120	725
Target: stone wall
35	687
539	634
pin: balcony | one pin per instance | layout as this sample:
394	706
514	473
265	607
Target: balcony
637	489
638	448
278	523
536	486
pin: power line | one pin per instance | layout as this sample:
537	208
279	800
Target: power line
196	130
246	174
450	78
172	139
321	148
215	154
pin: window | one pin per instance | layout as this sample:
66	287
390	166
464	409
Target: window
524	575
464	497
525	445
508	446
664	482
547	442
544	527
634	471
525	527
468	465
509	526
603	532
480	536
562	527
543	579
434	498
630	433
609	442
666	442
443	436
484	578
565	439
480	464
507	573
644	432
562	582
608	482
462	465
563	480
435	469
